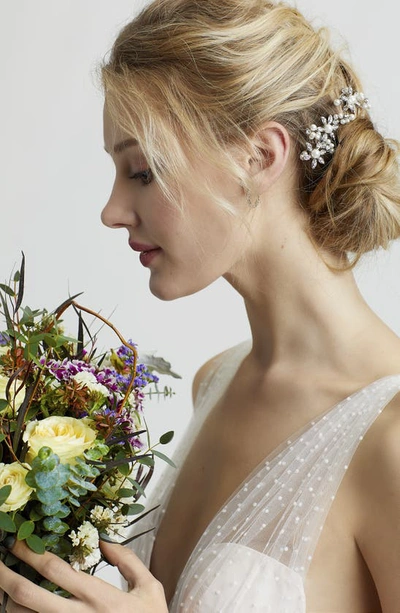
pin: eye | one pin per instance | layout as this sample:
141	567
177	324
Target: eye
146	176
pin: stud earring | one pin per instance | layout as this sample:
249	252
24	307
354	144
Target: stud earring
251	204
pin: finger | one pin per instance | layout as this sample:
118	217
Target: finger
55	569
27	595
85	588
129	565
12	607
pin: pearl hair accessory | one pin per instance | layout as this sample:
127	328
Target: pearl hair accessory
322	140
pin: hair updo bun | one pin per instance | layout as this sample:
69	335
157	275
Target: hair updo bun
189	77
355	206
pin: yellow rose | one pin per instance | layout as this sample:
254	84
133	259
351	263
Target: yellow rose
66	436
16	399
14	475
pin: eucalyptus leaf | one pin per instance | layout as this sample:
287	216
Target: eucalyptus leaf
47	480
162	456
51	496
124	492
147	460
167	437
138	487
135	509
50	540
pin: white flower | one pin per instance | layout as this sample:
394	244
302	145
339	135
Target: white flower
110	521
66	436
14	475
88	379
86	552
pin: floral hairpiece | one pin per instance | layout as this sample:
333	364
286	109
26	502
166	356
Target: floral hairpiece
321	139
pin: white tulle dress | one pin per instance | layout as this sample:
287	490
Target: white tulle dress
254	555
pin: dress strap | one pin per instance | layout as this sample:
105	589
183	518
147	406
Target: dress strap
281	508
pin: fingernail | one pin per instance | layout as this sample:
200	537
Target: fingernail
9	541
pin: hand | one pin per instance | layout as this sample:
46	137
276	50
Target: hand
90	594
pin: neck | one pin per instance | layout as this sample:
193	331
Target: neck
304	317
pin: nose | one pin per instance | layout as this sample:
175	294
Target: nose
118	212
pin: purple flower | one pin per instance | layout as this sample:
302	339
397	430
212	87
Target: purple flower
4	339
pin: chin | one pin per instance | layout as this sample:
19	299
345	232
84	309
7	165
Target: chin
172	291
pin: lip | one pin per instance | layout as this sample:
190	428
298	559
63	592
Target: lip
141	246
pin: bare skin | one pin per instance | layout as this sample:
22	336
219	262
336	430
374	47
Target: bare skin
315	341
338	579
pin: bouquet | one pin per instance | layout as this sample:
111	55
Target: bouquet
75	451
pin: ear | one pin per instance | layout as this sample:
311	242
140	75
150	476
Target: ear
273	144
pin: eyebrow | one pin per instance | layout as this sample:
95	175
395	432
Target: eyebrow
119	147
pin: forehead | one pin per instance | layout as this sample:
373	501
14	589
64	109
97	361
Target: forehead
115	139
111	133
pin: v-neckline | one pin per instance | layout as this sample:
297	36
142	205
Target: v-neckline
292	438
280	447
289	439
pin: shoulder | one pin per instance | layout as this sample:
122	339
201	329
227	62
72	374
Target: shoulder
377	485
204	372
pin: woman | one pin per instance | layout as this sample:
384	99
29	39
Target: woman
230	161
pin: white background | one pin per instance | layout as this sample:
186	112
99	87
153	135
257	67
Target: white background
55	178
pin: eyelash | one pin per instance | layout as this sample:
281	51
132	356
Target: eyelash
146	176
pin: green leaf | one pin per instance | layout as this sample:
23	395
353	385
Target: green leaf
35	543
2	435
94	454
135	509
4	493
125	492
50	340
19	520
162	456
35	515
6	523
138	487
19	277
25	530
7	289
147	461
125	469
36	338
167	437
3	405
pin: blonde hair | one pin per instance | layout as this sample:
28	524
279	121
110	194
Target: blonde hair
188	78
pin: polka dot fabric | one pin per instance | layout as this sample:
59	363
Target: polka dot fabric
255	554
